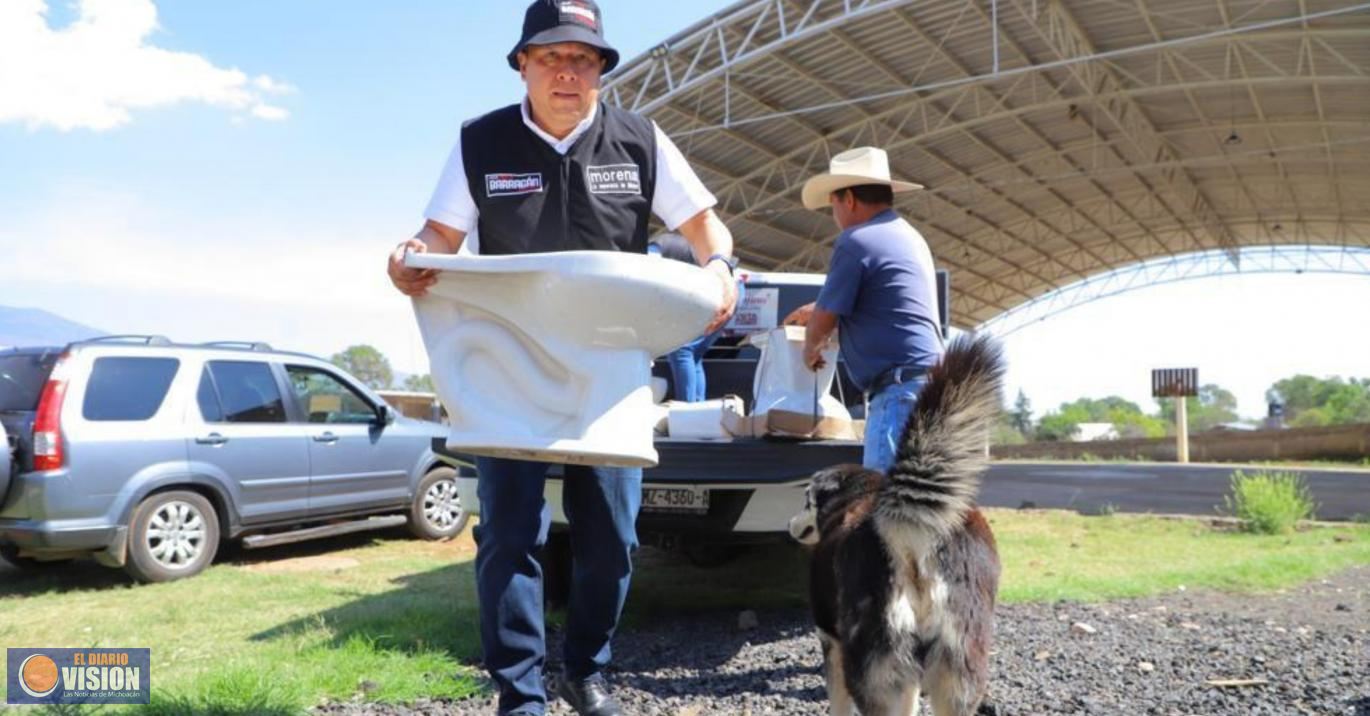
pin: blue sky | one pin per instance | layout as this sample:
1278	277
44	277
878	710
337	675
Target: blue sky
271	152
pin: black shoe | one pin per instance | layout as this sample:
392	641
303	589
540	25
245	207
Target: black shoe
589	697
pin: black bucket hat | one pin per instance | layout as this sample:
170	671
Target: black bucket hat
551	21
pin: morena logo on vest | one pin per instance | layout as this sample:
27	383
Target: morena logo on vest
614	179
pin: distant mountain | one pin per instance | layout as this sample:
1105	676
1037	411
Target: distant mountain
36	327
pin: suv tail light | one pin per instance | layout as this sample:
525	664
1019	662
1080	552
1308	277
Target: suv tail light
47	423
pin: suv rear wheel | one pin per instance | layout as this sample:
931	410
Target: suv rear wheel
174	535
437	512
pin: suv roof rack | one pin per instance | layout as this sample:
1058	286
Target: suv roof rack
259	346
130	338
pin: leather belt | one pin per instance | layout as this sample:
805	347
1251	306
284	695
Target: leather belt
895	376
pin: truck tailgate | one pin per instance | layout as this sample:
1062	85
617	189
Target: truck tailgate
724	462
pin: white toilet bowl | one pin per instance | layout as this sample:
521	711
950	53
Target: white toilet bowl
548	356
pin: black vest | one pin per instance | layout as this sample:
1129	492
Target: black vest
532	199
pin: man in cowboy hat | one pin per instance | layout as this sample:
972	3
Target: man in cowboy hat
880	295
560	171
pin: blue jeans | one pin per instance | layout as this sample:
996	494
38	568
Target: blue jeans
886	416
687	368
687	363
601	505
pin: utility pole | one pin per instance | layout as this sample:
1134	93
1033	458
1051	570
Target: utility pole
1179	384
1182	429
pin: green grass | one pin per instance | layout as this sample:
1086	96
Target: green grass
1363	462
1350	466
1052	556
236	639
401	624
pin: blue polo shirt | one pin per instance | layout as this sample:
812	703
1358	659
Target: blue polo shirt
882	286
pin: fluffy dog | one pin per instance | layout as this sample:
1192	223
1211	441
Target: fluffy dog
904	568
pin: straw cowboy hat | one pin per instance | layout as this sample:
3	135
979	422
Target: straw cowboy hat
854	167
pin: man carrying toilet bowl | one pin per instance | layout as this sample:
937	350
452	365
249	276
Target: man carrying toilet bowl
560	171
880	295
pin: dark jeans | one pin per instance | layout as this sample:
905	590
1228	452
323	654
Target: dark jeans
601	505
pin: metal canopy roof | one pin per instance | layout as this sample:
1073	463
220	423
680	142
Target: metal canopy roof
1058	139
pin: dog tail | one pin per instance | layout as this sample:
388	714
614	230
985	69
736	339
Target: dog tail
936	473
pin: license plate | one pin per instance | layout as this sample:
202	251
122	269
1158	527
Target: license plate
675	499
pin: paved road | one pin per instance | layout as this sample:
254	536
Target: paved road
1156	487
1146	487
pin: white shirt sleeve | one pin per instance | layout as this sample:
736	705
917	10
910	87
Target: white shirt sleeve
679	192
452	204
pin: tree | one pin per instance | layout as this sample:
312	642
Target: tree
1021	417
1127	418
419	383
1062	424
1138	425
1005	432
1311	418
1349	403
1213	406
1055	427
1299	393
367	364
1310	401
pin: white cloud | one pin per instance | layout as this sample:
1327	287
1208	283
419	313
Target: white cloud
94	73
270	86
273	114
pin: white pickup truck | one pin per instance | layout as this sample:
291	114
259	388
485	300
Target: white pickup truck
710	498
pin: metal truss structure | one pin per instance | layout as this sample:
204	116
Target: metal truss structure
1058	139
1208	264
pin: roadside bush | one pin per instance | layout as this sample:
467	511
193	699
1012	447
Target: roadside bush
1005	434
1269	502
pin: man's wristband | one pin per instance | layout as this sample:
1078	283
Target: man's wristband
730	262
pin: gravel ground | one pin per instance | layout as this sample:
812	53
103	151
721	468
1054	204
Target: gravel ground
1302	651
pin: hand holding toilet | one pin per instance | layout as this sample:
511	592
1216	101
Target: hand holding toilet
547	357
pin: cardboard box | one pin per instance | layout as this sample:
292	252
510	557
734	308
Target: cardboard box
783	423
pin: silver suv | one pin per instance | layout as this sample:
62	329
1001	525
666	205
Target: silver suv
146	454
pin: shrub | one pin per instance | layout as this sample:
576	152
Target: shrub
1005	434
1269	502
